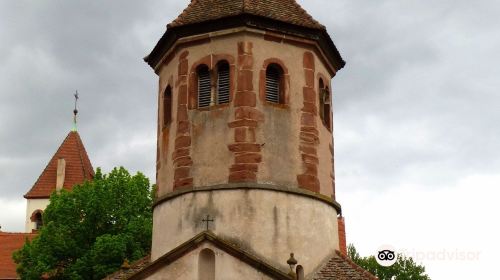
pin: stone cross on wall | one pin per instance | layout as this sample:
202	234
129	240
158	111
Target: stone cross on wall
207	220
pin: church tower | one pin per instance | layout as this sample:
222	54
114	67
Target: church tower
70	165
245	168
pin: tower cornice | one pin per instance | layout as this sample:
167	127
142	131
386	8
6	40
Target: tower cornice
250	186
320	37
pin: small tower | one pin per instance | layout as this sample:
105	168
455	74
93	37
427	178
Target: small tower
245	136
69	166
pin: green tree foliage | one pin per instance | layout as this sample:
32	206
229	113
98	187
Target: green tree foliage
89	231
404	268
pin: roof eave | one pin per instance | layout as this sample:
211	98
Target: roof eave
36	197
172	34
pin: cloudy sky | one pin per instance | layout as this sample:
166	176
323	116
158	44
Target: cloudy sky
417	112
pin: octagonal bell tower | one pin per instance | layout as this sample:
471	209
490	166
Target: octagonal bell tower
245	131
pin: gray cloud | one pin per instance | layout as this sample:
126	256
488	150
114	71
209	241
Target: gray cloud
417	91
416	101
50	49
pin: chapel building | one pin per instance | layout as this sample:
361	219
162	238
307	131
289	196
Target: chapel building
245	152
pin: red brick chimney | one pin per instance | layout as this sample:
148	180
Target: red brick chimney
342	239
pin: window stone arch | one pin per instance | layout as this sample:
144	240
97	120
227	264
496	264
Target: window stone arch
37	218
270	68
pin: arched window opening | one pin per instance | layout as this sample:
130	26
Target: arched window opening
223	82
274	84
167	106
324	104
300	272
321	87
37	219
327	107
204	87
206	265
321	92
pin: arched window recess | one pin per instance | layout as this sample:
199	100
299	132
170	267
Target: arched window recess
206	265
325	102
37	218
167	106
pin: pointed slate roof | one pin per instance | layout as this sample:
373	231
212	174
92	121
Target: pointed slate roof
282	10
78	168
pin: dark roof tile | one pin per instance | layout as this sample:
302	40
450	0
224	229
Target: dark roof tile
340	267
134	267
282	10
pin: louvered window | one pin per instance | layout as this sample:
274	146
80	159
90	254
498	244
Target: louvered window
223	83
204	88
273	79
167	106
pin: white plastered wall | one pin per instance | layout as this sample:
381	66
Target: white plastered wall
32	206
268	224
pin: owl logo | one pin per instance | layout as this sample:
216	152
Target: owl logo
386	255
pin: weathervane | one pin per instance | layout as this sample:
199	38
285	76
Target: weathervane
75	111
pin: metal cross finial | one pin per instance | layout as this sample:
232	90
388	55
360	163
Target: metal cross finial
207	220
75	111
76	100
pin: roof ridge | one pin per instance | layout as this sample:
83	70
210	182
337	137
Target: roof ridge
81	153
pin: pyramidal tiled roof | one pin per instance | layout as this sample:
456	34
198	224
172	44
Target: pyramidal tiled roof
78	168
340	267
288	11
